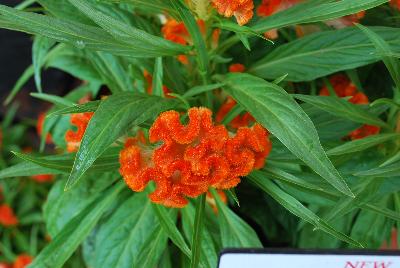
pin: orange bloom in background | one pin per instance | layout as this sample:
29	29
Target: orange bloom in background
7	216
22	261
213	203
42	178
149	80
73	138
343	87
237	68
5	265
176	32
346	21
40	125
395	3
241	9
192	157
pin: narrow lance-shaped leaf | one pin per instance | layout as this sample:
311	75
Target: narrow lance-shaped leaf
86	36
276	110
342	108
235	232
112	119
295	207
315	11
40	48
67	241
323	53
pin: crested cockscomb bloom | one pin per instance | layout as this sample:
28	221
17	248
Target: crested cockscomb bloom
22	261
40	125
42	178
192	157
241	9
7	216
73	138
343	87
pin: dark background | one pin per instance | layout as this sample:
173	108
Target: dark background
15	57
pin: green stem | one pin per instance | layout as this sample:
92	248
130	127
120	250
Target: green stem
198	226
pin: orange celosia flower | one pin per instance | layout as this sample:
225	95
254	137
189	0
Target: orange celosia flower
211	200
7	216
192	158
343	87
42	178
22	261
72	138
149	80
237	68
39	127
241	9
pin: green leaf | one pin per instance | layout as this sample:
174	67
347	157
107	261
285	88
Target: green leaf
209	257
61	207
26	75
127	33
197	232
362	144
158	74
112	119
66	242
63	163
90	106
201	89
40	48
235	233
296	208
170	228
137	229
323	53
342	108
275	109
53	99
135	43
392	170
382	47
314	11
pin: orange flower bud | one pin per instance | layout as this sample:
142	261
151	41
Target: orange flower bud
7	216
39	127
73	138
241	9
343	87
192	158
22	261
43	178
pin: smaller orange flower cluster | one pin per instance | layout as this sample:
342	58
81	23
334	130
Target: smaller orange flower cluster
176	32
22	261
192	158
149	80
7	216
42	178
241	9
240	120
39	127
73	138
345	88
